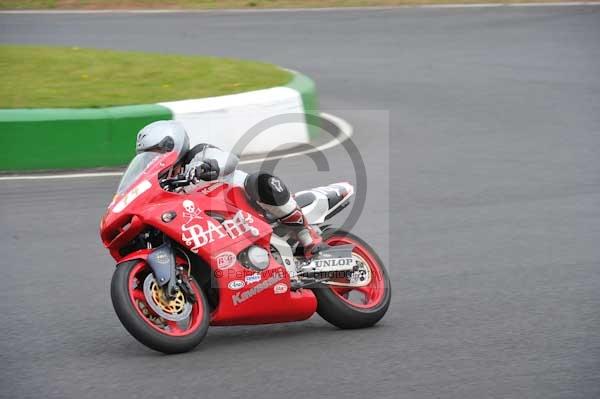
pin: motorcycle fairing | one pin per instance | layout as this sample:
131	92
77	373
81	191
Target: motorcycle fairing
266	305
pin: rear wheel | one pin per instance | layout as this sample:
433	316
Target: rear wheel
361	300
168	326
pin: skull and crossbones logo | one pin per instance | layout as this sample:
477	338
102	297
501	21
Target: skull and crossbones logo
191	212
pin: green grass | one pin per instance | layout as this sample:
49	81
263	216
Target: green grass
224	4
56	77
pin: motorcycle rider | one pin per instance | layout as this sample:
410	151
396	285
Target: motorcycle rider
205	162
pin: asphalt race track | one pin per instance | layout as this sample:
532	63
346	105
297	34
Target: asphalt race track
481	148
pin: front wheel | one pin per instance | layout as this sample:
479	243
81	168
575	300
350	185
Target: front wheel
168	326
359	301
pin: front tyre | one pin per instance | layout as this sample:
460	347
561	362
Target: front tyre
174	326
364	304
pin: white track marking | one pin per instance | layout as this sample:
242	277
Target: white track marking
60	176
346	132
274	10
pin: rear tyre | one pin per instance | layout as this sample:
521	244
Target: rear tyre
337	305
141	319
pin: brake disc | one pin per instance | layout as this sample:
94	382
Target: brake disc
176	309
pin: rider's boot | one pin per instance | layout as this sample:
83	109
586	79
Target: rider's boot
309	238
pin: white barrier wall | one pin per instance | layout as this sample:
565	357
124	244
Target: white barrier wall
222	121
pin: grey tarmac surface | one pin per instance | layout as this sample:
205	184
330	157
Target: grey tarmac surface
493	138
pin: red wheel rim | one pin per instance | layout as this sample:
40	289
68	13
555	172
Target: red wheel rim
167	327
371	294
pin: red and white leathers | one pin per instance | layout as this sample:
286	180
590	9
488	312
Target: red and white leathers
264	189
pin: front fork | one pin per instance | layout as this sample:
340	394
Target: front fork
168	275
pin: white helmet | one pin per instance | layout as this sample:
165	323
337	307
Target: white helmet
163	136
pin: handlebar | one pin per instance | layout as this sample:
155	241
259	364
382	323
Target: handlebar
177	181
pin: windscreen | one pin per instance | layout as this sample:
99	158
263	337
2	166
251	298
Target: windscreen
135	169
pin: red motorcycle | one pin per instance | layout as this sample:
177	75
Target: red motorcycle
209	257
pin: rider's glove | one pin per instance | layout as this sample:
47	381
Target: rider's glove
207	171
